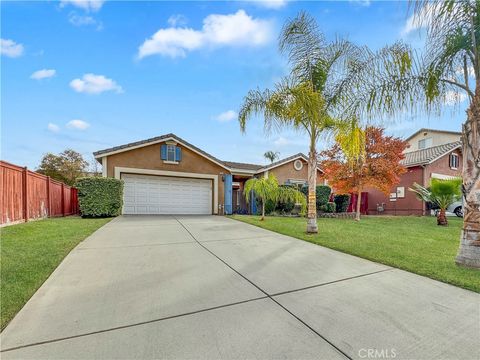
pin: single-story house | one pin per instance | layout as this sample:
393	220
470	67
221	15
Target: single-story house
167	175
432	154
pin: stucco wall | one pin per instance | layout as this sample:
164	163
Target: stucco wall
287	171
442	166
148	157
438	138
410	205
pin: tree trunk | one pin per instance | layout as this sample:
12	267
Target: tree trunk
359	202
263	210
312	227
469	251
442	218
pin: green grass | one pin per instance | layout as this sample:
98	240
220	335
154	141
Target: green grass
31	251
415	244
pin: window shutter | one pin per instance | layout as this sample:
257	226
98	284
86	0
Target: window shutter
163	152
178	154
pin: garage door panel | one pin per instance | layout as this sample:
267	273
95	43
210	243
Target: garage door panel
147	194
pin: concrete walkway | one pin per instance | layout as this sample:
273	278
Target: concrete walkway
213	288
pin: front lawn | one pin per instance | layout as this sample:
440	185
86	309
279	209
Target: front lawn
31	251
414	244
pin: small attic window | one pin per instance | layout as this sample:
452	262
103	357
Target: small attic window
171	153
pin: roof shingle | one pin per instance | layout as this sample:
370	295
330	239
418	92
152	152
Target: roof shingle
425	156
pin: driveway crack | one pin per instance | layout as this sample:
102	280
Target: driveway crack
266	294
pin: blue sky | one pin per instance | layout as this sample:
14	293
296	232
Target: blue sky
90	75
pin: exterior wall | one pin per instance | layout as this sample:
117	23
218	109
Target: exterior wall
148	157
438	138
408	205
287	171
442	166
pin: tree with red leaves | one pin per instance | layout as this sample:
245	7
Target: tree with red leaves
378	166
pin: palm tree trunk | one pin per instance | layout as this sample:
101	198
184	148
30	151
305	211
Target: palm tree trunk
312	227
442	218
263	210
359	201
469	251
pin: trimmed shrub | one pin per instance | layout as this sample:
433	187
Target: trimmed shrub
341	201
100	197
323	194
329	207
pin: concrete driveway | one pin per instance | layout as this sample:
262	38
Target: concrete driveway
213	288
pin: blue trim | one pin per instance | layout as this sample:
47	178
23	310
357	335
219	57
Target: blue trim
163	152
178	154
253	203
228	191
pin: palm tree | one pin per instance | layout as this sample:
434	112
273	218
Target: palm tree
271	155
304	101
396	79
267	189
442	193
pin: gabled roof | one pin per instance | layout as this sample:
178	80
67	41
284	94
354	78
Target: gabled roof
158	139
229	165
429	155
281	162
242	166
433	130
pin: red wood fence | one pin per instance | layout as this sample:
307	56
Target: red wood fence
27	195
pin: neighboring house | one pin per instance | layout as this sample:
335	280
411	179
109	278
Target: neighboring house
436	154
167	175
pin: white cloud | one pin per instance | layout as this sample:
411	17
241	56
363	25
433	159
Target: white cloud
53	127
78	124
10	48
361	2
43	74
95	84
226	116
87	5
282	141
453	98
84	20
271	4
177	20
237	29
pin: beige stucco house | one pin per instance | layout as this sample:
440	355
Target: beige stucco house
167	175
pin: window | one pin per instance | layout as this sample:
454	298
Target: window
171	153
298	165
424	143
454	161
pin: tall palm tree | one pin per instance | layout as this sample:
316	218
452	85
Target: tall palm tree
304	101
271	155
396	79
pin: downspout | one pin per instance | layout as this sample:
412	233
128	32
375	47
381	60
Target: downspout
424	185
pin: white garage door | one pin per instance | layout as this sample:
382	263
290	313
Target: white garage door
147	194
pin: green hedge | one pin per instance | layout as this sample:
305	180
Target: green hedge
342	201
322	192
100	197
329	207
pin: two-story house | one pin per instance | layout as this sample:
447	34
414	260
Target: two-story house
431	154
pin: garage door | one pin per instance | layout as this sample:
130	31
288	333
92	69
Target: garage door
147	194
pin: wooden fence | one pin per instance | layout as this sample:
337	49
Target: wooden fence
26	195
